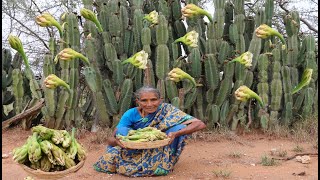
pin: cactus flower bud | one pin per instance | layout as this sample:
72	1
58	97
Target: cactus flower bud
176	75
52	81
245	59
305	80
191	10
16	44
264	31
91	16
243	93
140	60
68	54
152	17
46	20
190	39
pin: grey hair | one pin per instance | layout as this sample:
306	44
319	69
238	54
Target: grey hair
147	89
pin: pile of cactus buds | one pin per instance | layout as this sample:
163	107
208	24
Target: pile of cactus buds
146	134
50	150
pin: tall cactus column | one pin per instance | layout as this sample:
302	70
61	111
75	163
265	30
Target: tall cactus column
12	76
94	81
275	88
73	39
289	60
263	88
162	54
236	32
212	70
310	91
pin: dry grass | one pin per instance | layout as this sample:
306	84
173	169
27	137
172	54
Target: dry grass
102	135
215	135
306	130
302	130
267	161
235	154
298	149
222	173
278	152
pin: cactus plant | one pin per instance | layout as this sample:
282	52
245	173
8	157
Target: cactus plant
118	36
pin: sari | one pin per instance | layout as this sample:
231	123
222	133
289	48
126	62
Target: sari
148	162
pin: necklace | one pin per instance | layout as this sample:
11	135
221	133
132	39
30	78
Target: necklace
143	119
141	112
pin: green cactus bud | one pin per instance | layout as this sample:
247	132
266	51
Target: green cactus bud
245	59
46	19
152	17
305	80
176	75
139	60
243	93
190	39
191	10
69	54
264	31
16	44
89	15
52	81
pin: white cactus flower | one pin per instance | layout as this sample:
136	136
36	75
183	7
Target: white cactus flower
139	60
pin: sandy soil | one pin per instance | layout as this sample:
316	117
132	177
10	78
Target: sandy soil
235	158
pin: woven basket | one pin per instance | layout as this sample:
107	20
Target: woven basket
145	145
51	175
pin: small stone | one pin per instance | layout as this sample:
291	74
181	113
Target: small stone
4	156
298	158
28	178
253	164
305	159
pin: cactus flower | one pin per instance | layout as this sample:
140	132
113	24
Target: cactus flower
16	44
52	81
191	10
190	39
176	75
46	20
245	59
243	93
140	60
91	16
305	80
152	17
68	54
264	31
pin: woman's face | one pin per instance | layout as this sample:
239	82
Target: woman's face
149	102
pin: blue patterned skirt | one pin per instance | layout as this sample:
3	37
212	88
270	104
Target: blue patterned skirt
142	162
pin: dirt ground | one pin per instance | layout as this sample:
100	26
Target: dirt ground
234	157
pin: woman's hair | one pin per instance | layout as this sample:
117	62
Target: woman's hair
144	89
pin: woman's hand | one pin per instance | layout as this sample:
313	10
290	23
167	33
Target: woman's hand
119	143
112	141
172	136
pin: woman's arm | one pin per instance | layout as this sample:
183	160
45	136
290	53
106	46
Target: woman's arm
195	125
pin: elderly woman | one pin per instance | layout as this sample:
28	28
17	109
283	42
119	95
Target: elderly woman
152	112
